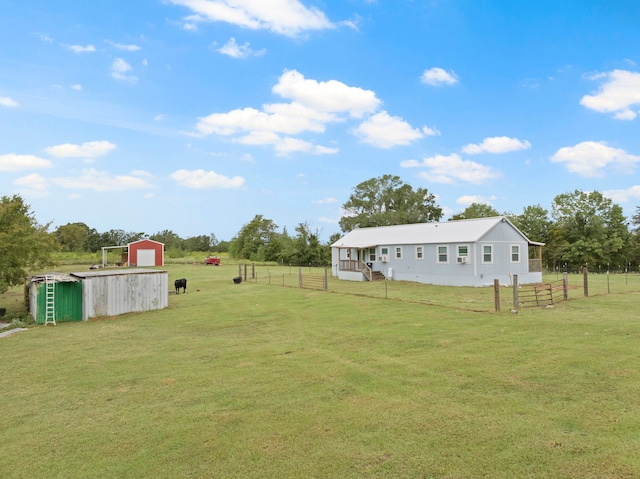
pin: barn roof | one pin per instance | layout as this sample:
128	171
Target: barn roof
459	231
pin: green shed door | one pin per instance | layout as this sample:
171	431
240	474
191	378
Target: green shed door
68	302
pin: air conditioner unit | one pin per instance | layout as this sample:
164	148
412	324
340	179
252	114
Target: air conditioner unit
383	258
462	260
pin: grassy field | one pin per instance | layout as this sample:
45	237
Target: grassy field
255	380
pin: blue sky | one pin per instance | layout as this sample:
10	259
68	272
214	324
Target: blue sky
196	115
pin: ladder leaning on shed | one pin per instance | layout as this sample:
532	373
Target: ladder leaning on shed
50	297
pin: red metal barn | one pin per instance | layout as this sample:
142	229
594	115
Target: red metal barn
146	252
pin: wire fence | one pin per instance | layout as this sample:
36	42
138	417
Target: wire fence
579	285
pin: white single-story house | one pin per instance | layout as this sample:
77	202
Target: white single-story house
471	252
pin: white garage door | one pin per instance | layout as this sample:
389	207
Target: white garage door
146	257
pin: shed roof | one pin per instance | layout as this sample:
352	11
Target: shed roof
459	231
57	277
115	272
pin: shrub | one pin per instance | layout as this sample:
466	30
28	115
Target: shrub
20	319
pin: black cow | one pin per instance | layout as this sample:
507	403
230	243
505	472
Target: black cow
181	283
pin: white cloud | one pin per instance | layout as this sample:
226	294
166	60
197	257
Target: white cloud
33	185
589	158
325	201
284	145
430	131
125	47
90	149
232	49
102	181
120	70
206	179
284	17
8	102
296	145
76	87
623	196
159	117
437	77
470	199
385	131
619	92
13	162
330	96
313	105
452	168
283	118
496	144
44	37
80	48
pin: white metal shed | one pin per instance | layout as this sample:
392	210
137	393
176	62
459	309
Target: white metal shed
113	292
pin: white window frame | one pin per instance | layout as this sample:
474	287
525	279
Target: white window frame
384	251
396	250
511	253
463	246
446	248
484	254
420	252
372	254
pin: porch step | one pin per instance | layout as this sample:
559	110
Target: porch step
377	276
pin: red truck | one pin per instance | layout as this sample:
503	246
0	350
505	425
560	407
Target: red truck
214	260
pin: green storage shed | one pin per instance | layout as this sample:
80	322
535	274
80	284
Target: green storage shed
68	297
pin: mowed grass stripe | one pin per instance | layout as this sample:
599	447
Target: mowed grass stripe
253	380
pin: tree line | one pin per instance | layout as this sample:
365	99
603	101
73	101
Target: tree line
580	229
80	238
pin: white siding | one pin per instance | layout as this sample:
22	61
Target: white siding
114	294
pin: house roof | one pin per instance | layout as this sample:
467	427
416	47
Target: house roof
459	231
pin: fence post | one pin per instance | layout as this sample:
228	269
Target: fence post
516	299
253	271
239	270
326	279
300	277
496	294
245	271
585	279
565	285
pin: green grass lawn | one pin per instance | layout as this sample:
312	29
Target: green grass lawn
259	381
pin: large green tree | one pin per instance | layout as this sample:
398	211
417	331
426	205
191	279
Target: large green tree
476	210
590	229
307	247
257	240
73	237
24	244
387	200
534	222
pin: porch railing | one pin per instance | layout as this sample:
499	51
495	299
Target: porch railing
357	266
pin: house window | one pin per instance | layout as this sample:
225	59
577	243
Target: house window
487	254
398	252
419	252
372	254
443	254
384	251
515	253
463	250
